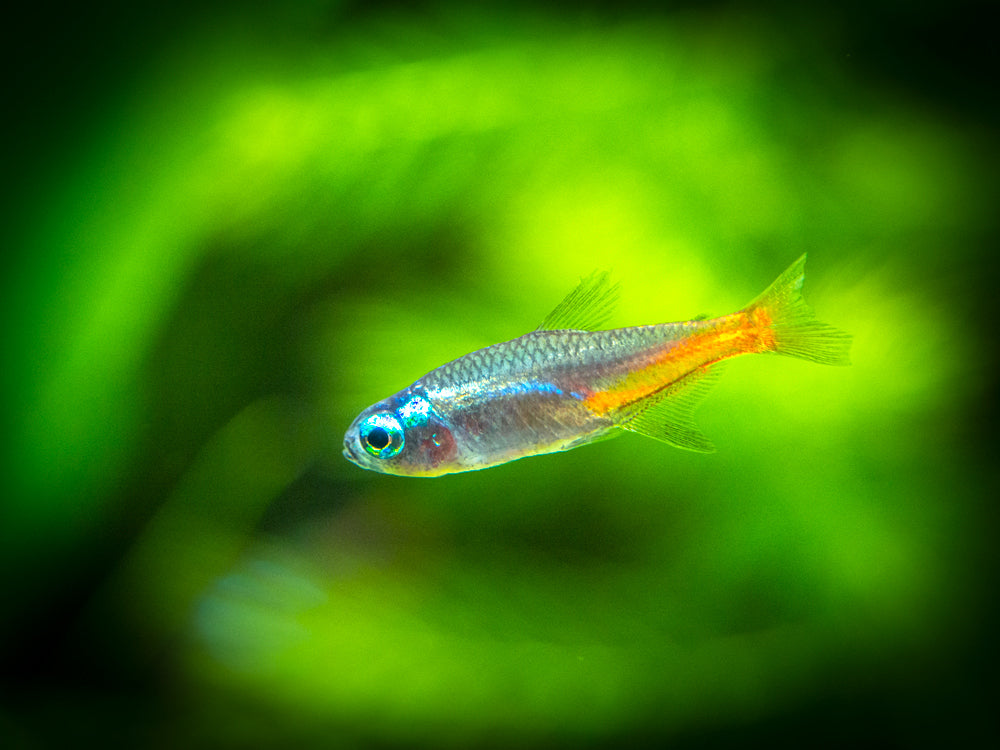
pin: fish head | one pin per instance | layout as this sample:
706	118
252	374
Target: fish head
402	435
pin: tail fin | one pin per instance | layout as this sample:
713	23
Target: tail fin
797	332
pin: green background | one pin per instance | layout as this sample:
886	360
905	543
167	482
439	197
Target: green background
232	230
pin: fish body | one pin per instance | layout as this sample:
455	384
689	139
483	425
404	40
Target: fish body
563	386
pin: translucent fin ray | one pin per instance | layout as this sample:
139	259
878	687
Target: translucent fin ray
668	416
797	331
588	439
586	308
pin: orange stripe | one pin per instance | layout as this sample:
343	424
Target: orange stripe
741	333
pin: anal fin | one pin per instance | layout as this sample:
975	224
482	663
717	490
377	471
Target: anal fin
668	415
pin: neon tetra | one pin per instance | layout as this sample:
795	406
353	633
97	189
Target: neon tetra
566	384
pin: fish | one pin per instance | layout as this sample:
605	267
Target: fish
570	382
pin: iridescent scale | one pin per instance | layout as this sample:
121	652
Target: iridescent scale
533	394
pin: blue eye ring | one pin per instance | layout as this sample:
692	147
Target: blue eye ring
382	435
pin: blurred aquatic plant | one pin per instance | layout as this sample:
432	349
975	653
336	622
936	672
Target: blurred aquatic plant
266	238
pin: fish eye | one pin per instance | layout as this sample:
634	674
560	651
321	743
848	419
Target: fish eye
382	435
378	438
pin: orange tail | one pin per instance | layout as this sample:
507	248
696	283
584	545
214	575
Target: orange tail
797	332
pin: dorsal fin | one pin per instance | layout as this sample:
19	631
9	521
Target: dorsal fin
670	415
586	308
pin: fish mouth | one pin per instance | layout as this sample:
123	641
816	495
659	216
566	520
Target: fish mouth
348	453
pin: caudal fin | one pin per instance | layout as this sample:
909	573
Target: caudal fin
797	332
